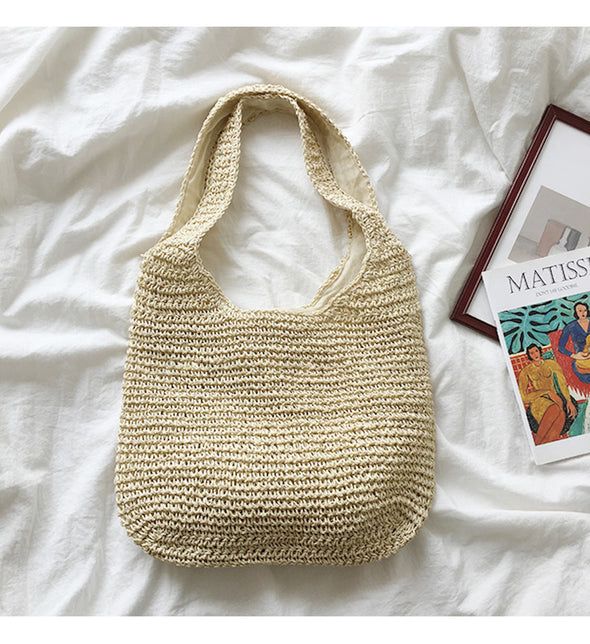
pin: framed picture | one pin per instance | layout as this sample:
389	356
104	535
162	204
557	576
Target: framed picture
546	210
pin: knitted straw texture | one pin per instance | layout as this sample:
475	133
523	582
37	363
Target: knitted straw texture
274	436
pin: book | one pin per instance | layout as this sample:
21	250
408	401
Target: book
541	309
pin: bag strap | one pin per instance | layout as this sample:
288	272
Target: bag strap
207	188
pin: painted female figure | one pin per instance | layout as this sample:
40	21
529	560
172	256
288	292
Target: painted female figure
579	331
537	389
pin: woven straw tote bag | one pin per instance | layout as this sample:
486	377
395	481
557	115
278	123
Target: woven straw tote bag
281	436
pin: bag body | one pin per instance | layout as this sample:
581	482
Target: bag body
281	436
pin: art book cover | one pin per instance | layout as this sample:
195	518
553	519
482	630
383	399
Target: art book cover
542	312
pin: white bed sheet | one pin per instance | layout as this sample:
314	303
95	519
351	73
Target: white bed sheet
96	129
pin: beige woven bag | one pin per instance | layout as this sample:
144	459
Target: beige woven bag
285	436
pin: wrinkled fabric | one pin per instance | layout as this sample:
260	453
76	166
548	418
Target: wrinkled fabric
96	131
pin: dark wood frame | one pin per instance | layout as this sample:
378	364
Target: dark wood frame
552	113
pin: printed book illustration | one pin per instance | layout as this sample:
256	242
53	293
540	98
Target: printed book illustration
542	313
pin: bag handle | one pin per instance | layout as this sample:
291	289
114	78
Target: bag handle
207	190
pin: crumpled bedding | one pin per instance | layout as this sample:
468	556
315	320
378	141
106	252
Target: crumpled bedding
96	130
